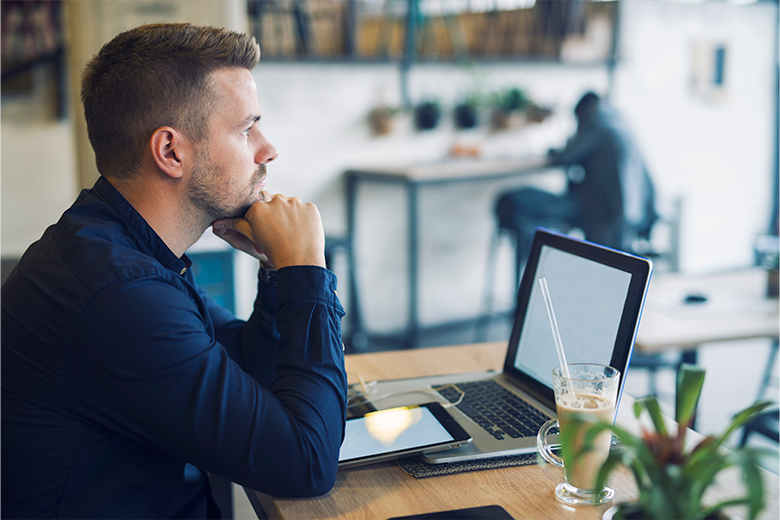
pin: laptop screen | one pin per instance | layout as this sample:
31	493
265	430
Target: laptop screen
588	299
597	295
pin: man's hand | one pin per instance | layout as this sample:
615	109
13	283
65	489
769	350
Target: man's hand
286	230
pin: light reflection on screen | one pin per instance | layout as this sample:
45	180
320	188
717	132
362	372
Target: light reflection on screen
588	298
391	430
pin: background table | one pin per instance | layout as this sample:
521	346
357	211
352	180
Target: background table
384	490
412	179
736	308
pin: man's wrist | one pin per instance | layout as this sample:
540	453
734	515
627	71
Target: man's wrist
267	272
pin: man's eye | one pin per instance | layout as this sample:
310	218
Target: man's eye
254	122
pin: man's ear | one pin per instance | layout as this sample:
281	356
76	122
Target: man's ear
169	149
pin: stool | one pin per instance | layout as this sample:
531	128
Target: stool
521	255
653	363
766	423
333	244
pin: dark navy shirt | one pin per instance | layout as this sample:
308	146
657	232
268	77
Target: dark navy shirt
123	383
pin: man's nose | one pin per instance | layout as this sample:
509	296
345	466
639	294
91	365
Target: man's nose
266	152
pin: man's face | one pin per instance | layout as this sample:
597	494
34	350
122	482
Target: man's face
229	170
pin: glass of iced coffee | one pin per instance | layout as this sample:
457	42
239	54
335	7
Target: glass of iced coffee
584	391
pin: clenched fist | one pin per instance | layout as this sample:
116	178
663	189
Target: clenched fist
287	231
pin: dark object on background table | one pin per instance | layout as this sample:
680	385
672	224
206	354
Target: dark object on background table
695	298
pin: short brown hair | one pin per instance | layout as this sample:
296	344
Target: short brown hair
152	76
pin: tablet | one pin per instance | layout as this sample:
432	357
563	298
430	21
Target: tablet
399	432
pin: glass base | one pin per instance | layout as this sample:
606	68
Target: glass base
571	495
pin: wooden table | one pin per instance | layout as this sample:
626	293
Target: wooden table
384	490
412	178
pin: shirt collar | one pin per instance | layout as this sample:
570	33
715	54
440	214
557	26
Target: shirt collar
147	237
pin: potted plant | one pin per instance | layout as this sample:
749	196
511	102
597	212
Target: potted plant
671	477
427	114
507	104
381	119
537	114
467	112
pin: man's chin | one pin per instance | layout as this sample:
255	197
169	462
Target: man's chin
237	213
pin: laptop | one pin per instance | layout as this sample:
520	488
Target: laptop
597	296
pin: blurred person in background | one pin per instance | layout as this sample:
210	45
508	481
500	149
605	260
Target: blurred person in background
610	195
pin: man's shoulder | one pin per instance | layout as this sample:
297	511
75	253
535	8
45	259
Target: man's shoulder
94	249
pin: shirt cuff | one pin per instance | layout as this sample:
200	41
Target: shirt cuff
307	282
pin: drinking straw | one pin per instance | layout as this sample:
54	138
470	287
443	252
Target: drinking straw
554	326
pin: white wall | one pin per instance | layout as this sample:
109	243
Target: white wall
716	153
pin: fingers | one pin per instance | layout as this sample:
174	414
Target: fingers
238	233
268	197
240	225
285	229
288	230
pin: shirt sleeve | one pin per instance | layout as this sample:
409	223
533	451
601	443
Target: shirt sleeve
145	363
252	344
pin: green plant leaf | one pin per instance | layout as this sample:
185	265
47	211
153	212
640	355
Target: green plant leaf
636	455
615	458
747	459
671	481
690	379
703	455
650	404
639	407
701	475
751	475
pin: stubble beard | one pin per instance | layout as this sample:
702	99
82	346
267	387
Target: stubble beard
207	194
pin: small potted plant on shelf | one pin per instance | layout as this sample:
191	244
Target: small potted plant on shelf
537	114
381	119
506	105
466	112
427	114
671	477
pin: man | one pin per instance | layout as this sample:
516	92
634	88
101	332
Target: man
122	382
610	195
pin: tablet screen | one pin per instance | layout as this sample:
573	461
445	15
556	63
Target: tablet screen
396	432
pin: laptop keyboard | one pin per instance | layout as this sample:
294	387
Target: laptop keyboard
495	409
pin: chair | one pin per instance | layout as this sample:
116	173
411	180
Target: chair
333	244
222	491
653	363
765	423
518	231
6	266
355	338
768	422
